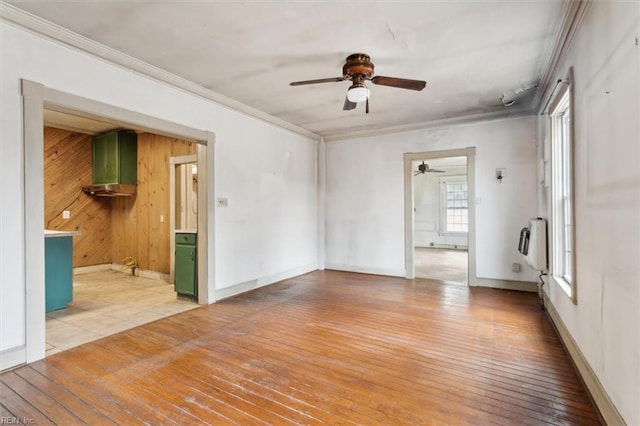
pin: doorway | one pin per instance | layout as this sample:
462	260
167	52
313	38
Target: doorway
183	201
440	241
440	215
37	98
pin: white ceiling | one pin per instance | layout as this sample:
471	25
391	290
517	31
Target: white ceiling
469	52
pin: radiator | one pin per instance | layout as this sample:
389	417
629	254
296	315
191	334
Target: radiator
533	244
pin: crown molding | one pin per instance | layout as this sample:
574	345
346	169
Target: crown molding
573	13
25	20
454	121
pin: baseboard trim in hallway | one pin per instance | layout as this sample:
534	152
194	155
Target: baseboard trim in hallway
599	395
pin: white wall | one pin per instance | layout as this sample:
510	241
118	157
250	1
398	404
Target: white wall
427	217
365	195
268	232
605	323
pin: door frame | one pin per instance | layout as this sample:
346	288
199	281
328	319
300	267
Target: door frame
173	162
409	249
36	97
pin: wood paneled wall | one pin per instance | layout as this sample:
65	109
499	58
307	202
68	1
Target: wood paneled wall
111	228
67	168
137	229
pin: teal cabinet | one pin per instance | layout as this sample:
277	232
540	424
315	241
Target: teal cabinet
58	272
186	277
115	158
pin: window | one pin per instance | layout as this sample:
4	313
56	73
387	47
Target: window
562	205
454	206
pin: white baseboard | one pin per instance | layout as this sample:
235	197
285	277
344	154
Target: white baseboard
224	293
366	270
236	289
604	405
527	286
274	278
12	358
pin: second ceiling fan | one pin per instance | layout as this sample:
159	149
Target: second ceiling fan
359	69
424	168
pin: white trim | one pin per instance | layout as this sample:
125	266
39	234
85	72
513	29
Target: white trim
240	288
573	13
505	114
35	98
528	286
12	358
322	197
42	27
365	270
206	222
409	247
606	408
33	190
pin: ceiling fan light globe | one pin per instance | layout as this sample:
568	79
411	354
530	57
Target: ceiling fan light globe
357	94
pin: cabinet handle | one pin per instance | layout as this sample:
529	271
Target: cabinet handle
192	255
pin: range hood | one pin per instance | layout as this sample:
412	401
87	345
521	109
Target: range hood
114	164
110	190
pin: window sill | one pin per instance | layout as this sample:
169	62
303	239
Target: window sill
453	234
564	285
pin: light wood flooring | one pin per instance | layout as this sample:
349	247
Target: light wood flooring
441	264
107	302
323	348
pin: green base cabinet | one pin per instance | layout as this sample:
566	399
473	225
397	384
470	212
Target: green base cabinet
186	277
58	272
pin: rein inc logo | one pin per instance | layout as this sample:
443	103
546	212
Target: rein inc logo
17	421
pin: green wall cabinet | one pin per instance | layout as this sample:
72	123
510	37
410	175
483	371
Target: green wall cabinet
58	272
115	158
186	277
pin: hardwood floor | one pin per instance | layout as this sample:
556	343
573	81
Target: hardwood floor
324	348
441	264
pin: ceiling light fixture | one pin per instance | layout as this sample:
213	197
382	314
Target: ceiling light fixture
358	93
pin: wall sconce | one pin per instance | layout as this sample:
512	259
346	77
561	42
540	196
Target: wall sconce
500	174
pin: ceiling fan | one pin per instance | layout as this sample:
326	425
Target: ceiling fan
358	69
424	168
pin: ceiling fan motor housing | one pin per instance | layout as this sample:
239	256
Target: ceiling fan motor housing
358	64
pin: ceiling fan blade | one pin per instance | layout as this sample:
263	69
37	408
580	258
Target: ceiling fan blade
321	80
417	173
402	83
348	105
435	171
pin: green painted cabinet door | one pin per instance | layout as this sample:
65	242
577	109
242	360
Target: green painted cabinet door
115	158
185	281
58	272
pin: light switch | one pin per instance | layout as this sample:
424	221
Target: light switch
66	214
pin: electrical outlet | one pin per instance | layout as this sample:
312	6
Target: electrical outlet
66	214
223	202
516	267
501	174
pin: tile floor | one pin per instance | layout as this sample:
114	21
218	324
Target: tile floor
441	264
106	303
